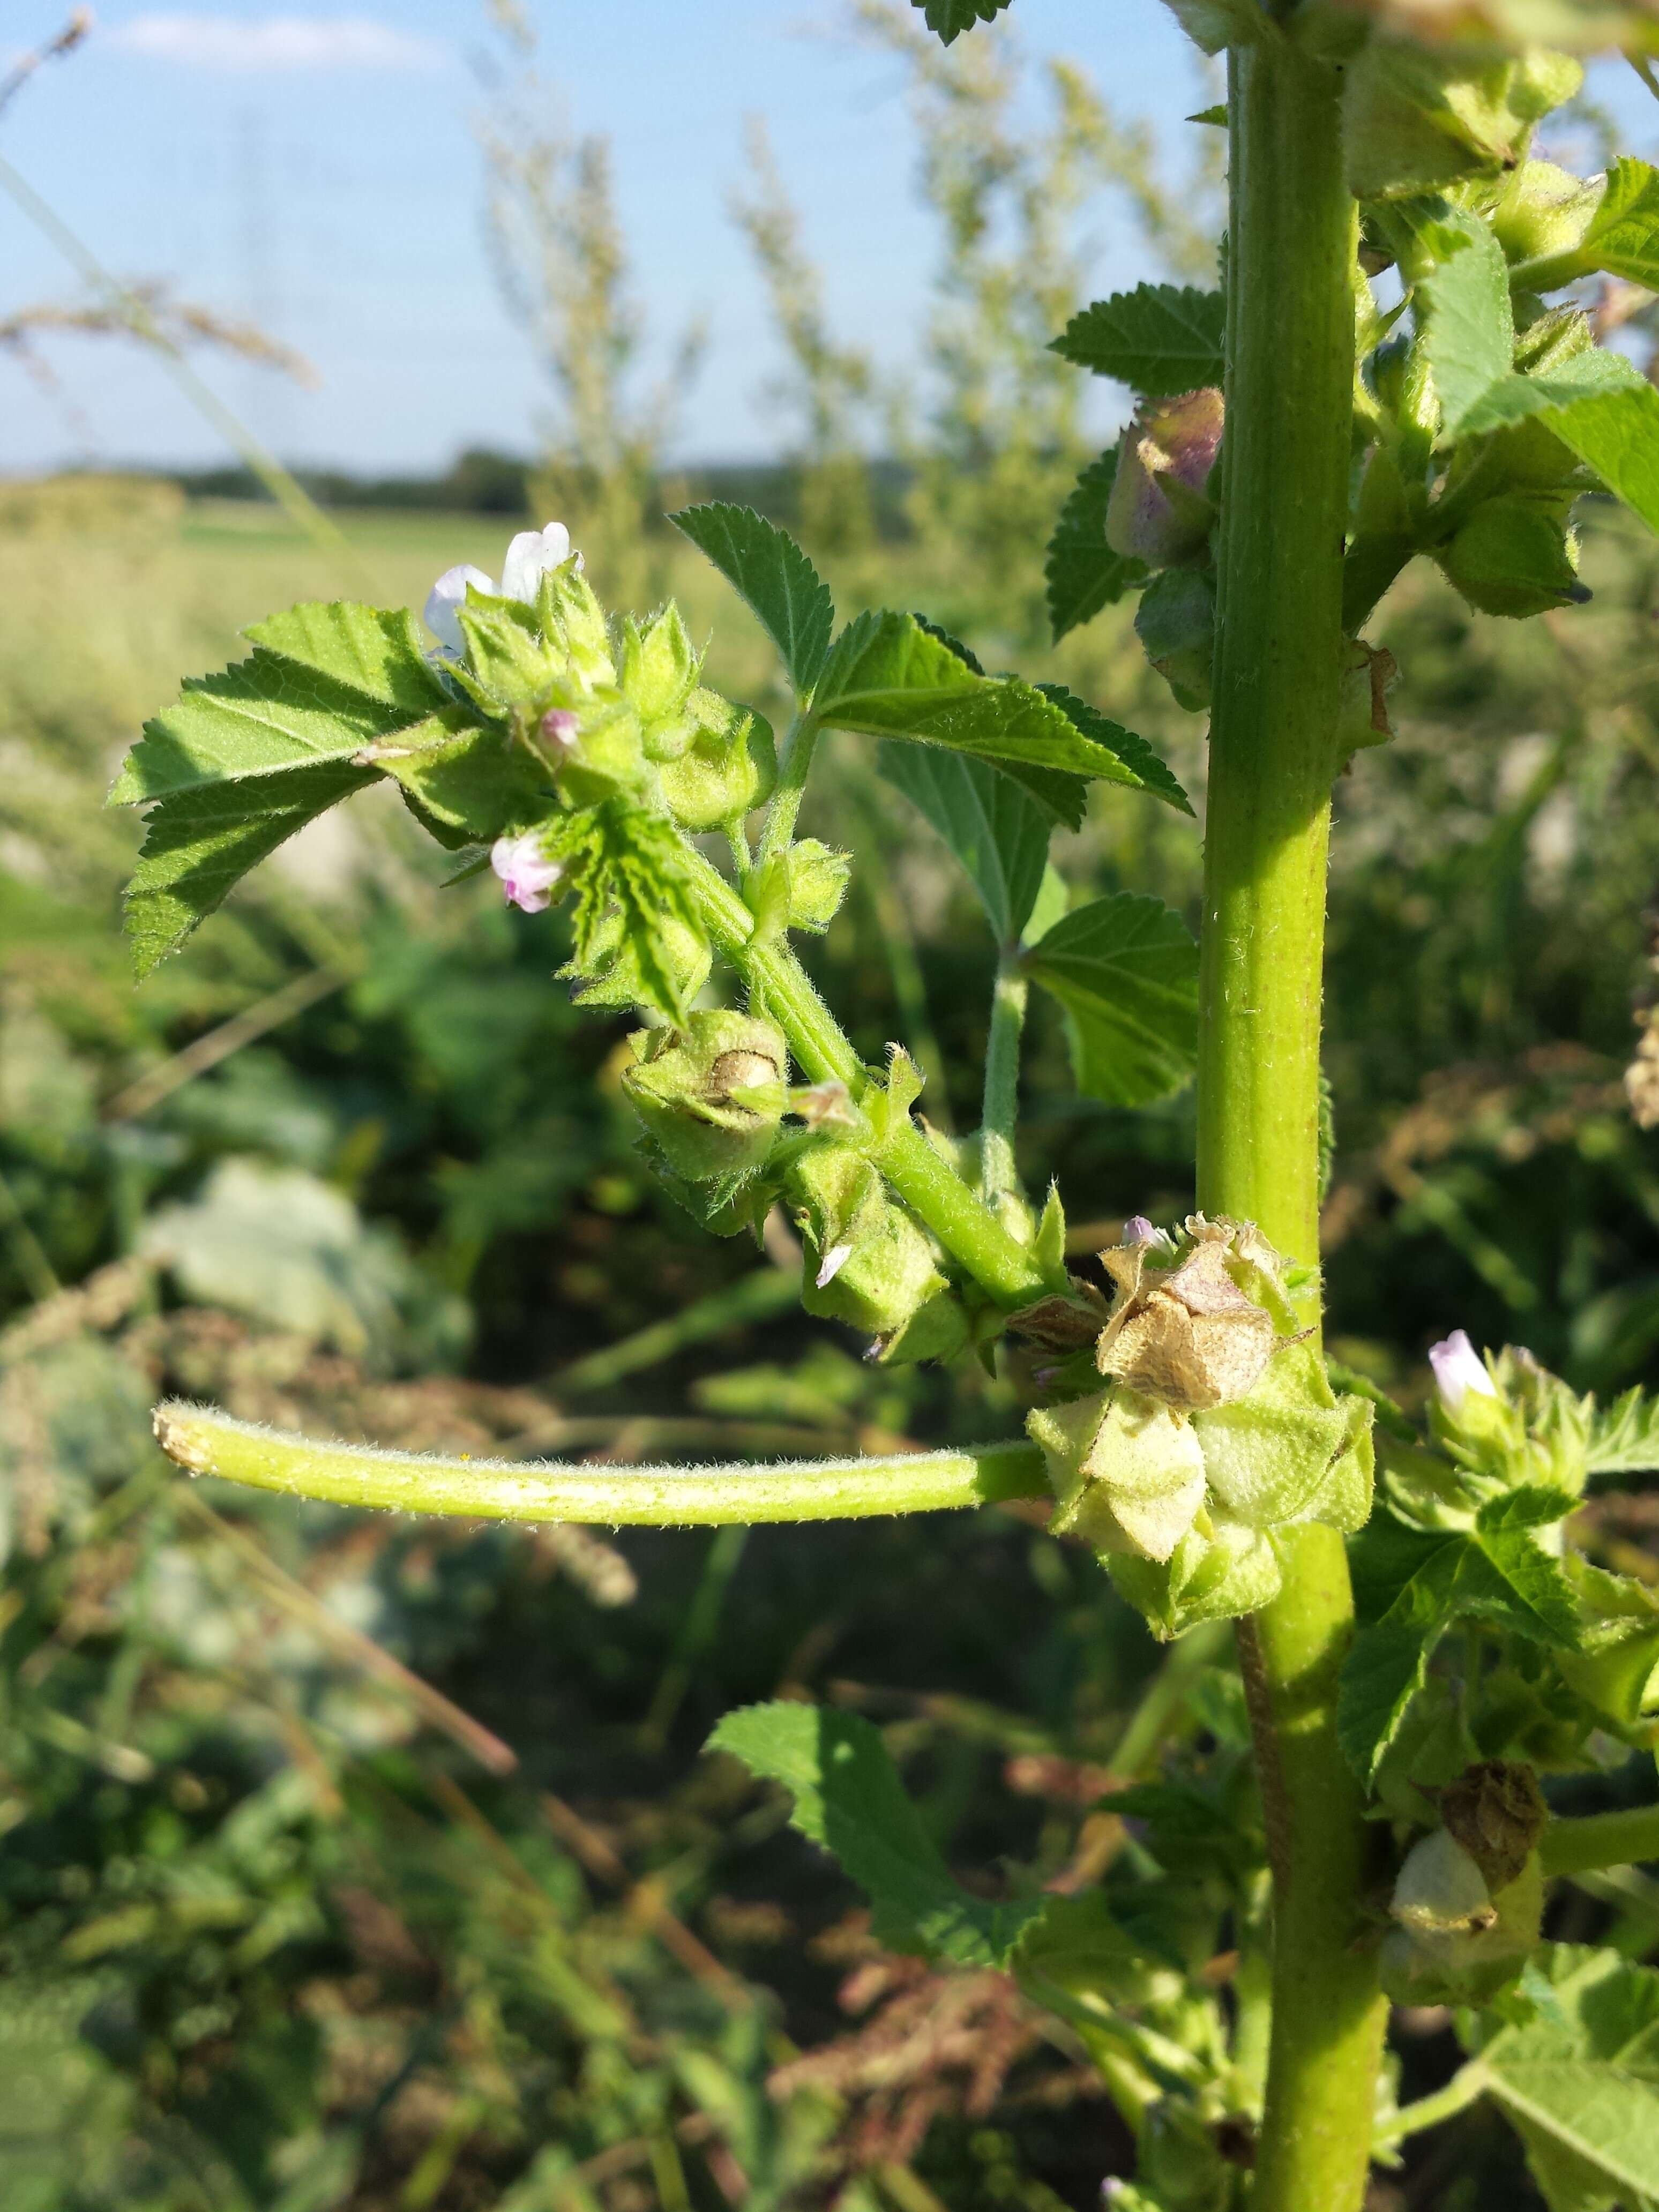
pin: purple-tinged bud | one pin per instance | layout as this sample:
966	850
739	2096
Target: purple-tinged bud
560	729
527	873
1159	513
1137	1230
1459	1368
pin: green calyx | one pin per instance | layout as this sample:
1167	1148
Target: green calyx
1417	120
1220	1427
712	1095
867	1260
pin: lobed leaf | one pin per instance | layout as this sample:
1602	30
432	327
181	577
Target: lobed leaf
1160	339
1625	1440
323	682
198	842
1083	572
1141	762
773	578
996	828
1623	238
950	18
888	675
1469	325
848	1798
1580	2080
1125	970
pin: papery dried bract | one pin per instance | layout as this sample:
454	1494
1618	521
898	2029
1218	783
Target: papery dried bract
1188	1335
711	1096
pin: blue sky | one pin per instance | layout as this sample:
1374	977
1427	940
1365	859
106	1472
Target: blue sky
313	164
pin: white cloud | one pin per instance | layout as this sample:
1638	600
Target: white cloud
276	42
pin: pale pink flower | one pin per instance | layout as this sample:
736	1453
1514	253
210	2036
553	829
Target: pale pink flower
527	873
1459	1368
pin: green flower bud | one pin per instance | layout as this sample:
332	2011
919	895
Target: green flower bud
1157	512
867	1261
1175	625
1216	1572
1129	1474
1457	1942
1516	556
573	622
710	1096
604	758
1545	210
659	668
729	766
817	884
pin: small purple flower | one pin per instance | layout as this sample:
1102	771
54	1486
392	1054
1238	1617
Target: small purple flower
527	873
1137	1230
1459	1368
561	728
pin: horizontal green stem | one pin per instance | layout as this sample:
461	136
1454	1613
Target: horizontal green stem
1600	1839
206	1443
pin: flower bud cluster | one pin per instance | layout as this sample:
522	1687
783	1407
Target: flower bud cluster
1506	1424
868	1260
1218	1426
1469	1899
591	716
712	1095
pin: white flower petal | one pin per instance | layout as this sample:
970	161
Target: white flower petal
531	554
834	1260
446	597
1459	1368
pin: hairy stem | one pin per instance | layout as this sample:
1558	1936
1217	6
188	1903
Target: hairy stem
1277	689
1600	1839
932	1189
794	767
204	1442
1000	1115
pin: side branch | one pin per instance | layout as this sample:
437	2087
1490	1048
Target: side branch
206	1443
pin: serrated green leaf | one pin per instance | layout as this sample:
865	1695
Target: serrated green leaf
278	711
1140	763
888	677
1083	572
376	651
1616	432
1125	969
1384	1670
1580	2081
1625	1440
198	842
1497	1572
638	940
1160	339
848	1798
463	784
950	18
769	572
1623	238
995	828
1468	326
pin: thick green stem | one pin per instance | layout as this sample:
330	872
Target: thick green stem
1277	686
205	1442
1000	1116
1600	1839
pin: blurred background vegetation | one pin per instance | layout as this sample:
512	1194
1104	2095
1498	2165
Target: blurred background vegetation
350	1862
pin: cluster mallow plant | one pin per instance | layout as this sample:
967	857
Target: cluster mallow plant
1399	359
